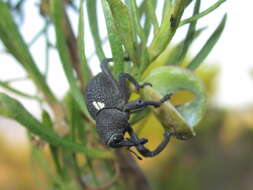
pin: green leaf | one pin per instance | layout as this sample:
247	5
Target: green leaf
115	42
47	122
170	79
93	23
6	86
173	55
15	44
46	119
151	8
164	34
147	11
189	36
75	118
80	39
202	14
206	49
37	156
170	55
12	109
135	19
124	27
172	14
147	26
58	15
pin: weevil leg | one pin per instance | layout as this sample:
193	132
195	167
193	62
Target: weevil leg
104	65
124	143
105	69
128	143
140	104
123	77
145	151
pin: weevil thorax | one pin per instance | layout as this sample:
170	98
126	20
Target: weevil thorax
111	122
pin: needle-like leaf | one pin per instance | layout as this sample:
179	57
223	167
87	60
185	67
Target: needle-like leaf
93	23
115	42
206	49
57	14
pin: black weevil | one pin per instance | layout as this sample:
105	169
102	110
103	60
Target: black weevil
107	102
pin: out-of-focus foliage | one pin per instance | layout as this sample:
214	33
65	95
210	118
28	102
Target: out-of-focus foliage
15	173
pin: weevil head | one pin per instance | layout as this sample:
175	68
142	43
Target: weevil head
111	125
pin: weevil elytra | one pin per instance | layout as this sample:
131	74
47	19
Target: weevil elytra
107	102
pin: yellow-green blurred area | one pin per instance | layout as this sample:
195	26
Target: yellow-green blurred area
15	168
218	157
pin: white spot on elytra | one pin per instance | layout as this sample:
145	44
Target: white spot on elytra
98	105
101	105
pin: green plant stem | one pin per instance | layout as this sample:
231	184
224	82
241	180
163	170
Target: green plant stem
204	13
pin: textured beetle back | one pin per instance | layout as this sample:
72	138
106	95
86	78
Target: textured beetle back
110	122
102	92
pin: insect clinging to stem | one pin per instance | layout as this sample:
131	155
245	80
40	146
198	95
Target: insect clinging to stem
107	102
